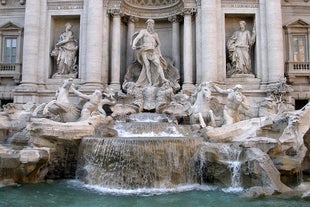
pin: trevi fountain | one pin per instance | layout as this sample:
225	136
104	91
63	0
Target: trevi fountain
157	140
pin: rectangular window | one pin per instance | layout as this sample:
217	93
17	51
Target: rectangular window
299	48
10	44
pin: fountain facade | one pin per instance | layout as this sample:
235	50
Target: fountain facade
135	112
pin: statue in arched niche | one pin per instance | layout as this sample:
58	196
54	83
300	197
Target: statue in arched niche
238	47
65	53
146	76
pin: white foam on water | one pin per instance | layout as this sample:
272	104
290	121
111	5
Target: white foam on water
169	132
233	190
140	191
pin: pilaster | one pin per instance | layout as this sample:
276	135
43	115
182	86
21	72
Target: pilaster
131	30
175	40
116	49
209	40
94	40
188	50
275	40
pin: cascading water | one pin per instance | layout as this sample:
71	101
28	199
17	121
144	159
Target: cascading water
232	156
137	162
145	154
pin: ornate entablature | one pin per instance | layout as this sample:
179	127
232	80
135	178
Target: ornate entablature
240	3
156	9
64	5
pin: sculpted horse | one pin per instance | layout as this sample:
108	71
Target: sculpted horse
62	106
201	109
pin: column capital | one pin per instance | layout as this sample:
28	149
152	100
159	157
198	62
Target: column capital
115	12
131	19
174	18
189	11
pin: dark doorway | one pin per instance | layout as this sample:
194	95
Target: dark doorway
300	103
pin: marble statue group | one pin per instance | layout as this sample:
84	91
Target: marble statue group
152	83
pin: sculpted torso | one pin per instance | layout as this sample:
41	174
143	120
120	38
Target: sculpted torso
149	40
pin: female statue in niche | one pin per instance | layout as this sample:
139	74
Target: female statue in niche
65	52
238	47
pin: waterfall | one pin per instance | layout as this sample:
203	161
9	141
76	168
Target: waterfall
137	162
232	155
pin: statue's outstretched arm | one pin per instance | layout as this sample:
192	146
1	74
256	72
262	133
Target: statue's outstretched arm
78	93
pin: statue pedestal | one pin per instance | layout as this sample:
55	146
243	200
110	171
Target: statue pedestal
64	76
248	81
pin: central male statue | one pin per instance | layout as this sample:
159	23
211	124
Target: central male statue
149	56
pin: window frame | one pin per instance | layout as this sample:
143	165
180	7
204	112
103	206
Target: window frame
297	28
306	47
4	48
11	30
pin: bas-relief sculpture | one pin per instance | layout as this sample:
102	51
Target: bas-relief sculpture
65	54
238	47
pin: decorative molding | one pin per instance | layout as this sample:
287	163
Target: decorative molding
10	26
189	11
64	5
12	3
174	18
115	12
131	19
240	3
155	9
152	4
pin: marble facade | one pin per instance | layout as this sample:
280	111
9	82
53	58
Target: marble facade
193	34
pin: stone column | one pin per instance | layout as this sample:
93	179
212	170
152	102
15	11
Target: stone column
275	40
263	70
188	51
209	40
116	49
198	42
19	45
31	45
130	32
175	40
105	46
94	42
1	40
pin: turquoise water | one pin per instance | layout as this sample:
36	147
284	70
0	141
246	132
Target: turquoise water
71	193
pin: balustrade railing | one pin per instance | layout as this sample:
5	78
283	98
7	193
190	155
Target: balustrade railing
298	68
12	70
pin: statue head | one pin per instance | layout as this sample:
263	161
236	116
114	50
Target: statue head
150	21
68	26
237	87
242	24
150	25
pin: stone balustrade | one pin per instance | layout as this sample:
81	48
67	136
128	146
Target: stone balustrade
10	70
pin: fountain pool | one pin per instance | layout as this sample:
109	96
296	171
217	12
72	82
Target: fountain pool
73	193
